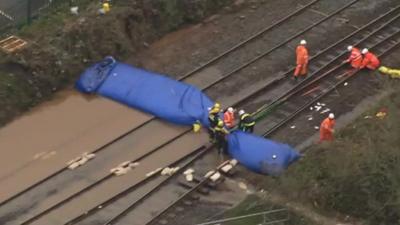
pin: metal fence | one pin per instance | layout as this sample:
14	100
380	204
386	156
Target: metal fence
270	217
15	13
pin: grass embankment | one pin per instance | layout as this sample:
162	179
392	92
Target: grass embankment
62	45
358	174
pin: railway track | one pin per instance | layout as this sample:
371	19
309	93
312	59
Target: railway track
99	181
173	141
195	77
224	77
380	25
315	86
299	104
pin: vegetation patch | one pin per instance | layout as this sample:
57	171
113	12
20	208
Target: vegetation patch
63	45
358	174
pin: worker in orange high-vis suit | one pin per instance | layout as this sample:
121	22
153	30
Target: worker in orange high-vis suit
355	58
370	60
229	118
326	129
301	60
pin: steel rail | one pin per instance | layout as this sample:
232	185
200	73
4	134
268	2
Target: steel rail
245	65
201	183
266	106
287	73
96	183
256	35
296	89
147	194
307	104
253	37
200	152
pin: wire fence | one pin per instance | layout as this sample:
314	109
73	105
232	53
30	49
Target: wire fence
16	13
270	217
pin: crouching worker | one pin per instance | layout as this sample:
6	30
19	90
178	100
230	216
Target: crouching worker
355	58
393	73
220	133
370	60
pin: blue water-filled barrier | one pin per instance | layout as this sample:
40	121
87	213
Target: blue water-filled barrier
159	95
259	154
183	104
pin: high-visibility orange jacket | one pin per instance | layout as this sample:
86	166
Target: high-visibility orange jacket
370	61
326	129
301	55
355	58
229	119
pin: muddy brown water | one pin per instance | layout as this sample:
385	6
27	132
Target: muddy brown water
57	132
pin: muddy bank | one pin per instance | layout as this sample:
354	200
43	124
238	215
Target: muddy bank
52	62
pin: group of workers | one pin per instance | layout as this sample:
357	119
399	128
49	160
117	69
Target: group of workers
357	59
362	59
220	127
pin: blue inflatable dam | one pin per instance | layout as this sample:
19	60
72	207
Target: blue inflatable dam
259	154
159	95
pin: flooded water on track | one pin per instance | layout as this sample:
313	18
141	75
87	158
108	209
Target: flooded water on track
60	130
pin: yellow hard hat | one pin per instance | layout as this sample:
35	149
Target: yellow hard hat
106	7
217	105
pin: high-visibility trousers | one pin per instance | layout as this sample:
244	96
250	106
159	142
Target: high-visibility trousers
301	69
325	136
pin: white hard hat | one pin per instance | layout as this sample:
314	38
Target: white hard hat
274	156
303	42
364	51
230	109
241	112
349	48
331	116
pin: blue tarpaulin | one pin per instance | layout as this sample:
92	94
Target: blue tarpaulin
182	104
159	95
259	154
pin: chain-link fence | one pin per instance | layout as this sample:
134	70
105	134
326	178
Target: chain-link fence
15	13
